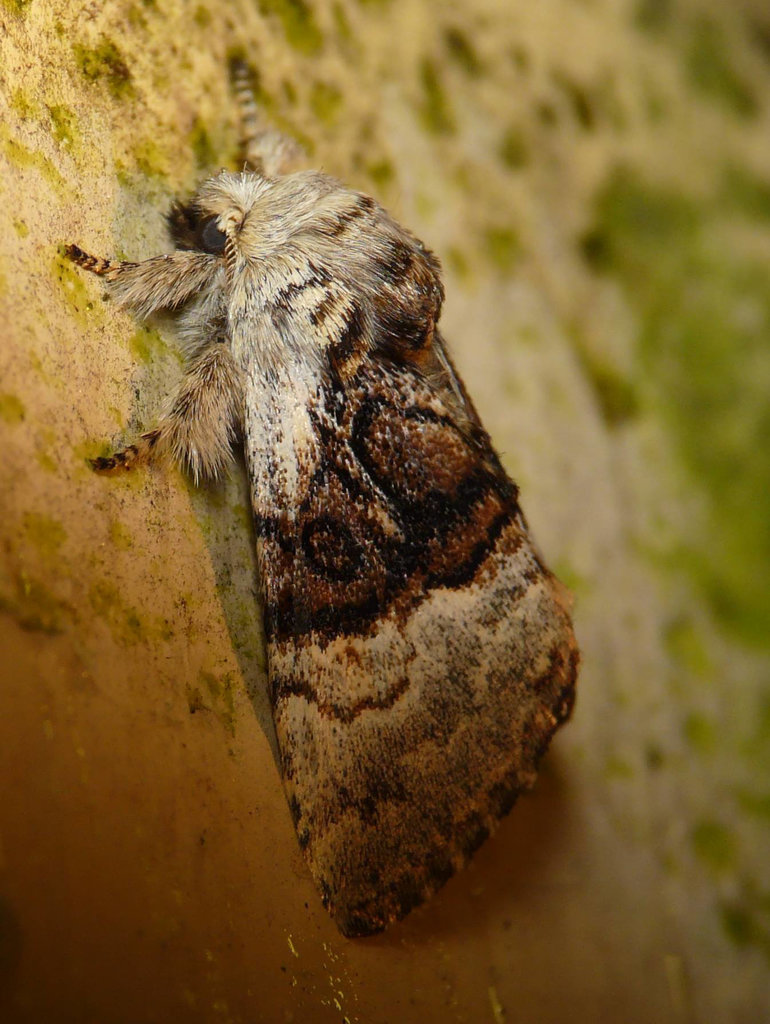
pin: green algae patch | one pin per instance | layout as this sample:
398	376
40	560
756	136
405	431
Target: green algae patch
124	622
201	145
700	733
502	247
434	108
64	127
146	344
120	536
684	644
381	172
636	223
654	757
46	461
219	694
615	396
653	15
743	924
579	99
746	193
73	287
151	160
12	409
19	156
299	23
704	313
27	108
458	263
86	451
513	149
756	805
325	102
105	63
342	24
21	229
617	768
34	607
714	846
202	16
17	7
712	72
45	533
462	52
572	579
216	694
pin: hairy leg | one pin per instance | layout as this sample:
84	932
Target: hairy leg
198	430
162	282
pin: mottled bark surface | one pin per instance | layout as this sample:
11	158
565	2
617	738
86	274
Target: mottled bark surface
596	180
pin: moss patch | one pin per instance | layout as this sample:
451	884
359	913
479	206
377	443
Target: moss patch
64	127
105	63
615	396
713	846
219	693
501	247
146	344
382	172
513	149
120	536
746	193
579	99
434	108
202	146
684	644
46	534
757	805
746	922
19	156
653	15
73	287
17	7
124	622
202	16
712	72
34	607
325	102
705	336
462	52
11	409
27	108
151	160
298	21
700	733
342	24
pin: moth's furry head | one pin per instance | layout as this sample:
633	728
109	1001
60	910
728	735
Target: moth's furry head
325	265
298	265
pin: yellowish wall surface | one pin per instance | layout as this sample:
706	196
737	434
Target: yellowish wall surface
595	177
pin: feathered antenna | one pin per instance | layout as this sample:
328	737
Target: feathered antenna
265	151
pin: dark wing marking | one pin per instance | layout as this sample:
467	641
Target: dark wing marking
420	655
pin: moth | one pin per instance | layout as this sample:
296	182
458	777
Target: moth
420	654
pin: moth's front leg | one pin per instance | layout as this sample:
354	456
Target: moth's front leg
162	282
198	429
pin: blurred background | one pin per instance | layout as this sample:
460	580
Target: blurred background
595	178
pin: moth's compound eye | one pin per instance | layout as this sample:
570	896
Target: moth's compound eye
211	238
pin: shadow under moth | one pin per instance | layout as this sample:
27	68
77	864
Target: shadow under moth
420	654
